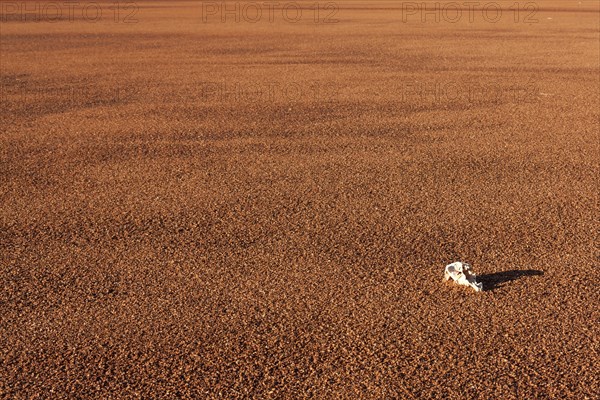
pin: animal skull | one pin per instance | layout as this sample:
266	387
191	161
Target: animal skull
461	274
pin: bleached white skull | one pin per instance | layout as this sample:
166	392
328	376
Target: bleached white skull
461	273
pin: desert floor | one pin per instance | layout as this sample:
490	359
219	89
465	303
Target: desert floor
262	207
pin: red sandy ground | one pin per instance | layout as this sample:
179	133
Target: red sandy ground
264	210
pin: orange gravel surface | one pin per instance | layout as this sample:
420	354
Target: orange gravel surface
263	207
